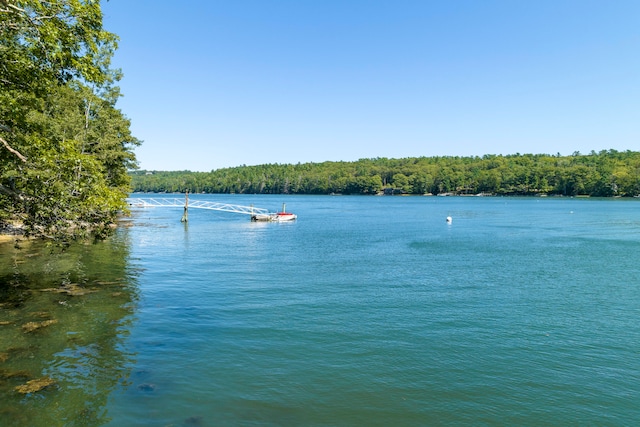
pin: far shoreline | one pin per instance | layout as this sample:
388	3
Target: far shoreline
396	194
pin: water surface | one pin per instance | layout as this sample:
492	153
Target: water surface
365	311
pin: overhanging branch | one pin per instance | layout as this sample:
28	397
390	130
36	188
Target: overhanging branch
9	192
13	150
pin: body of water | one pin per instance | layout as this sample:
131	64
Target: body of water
365	311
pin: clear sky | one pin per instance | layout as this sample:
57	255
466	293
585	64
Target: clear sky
220	83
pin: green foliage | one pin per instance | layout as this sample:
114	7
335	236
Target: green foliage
605	174
65	147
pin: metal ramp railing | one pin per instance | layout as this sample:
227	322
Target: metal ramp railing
197	204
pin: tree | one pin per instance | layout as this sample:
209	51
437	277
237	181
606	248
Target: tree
421	183
65	147
401	181
603	174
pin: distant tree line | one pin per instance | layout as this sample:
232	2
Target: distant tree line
604	174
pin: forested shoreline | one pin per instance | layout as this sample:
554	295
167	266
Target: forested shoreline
608	173
65	148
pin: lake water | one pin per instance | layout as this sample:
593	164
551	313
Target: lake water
365	311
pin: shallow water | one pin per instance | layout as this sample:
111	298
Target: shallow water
64	316
365	311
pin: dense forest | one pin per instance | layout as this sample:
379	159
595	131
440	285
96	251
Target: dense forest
607	173
65	148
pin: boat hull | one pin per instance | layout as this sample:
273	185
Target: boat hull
274	217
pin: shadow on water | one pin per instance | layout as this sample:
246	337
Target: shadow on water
64	316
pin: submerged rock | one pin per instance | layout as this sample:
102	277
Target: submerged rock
194	421
147	387
104	282
72	289
35	385
33	326
41	314
75	290
7	375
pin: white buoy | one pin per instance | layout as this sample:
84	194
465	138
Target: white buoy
449	219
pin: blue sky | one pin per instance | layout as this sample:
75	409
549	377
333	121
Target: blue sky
211	84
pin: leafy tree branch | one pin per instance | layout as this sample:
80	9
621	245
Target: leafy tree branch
66	148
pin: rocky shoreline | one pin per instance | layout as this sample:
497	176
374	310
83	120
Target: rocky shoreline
10	231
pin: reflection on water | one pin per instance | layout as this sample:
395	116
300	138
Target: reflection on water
63	317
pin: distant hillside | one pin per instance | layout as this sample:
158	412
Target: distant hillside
607	173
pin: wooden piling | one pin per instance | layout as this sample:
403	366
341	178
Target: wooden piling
185	215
